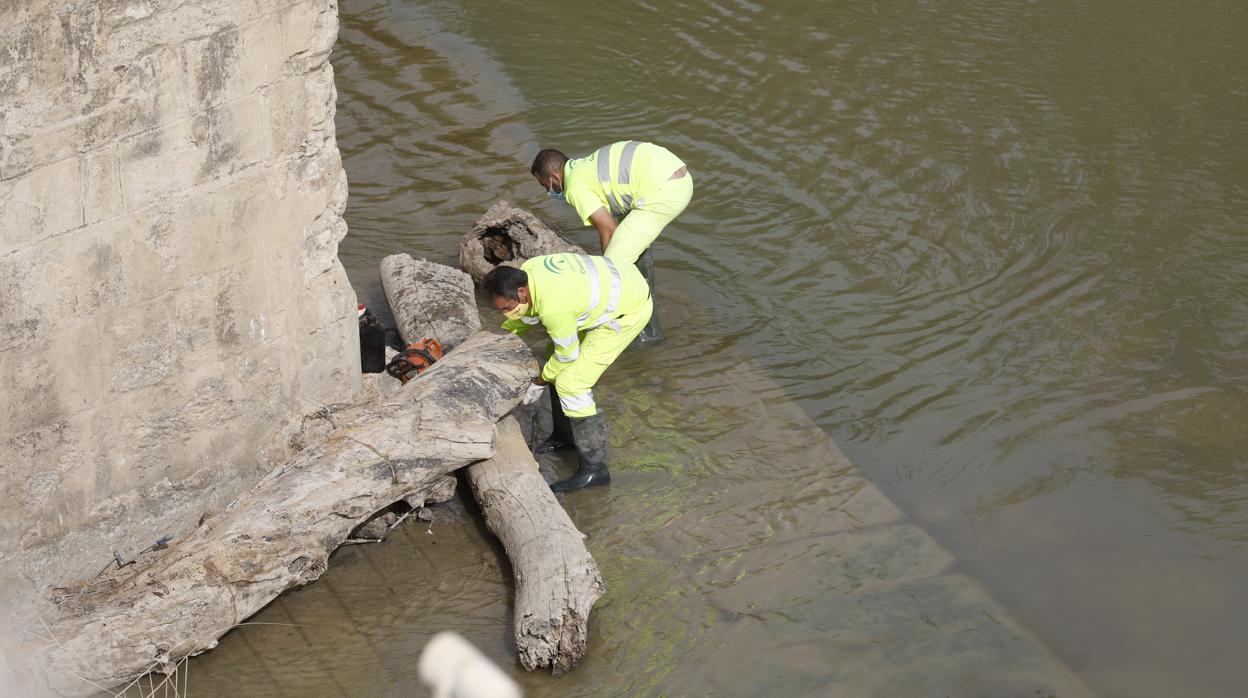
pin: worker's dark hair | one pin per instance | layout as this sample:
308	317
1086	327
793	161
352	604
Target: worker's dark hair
548	162
504	282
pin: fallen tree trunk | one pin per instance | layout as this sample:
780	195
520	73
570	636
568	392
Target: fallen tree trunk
557	581
280	534
507	234
429	300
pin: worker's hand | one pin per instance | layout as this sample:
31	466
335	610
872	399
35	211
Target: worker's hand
533	394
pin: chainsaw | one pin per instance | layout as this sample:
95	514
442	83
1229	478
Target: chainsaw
415	359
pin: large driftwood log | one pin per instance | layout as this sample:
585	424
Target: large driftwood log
556	580
429	300
280	534
507	234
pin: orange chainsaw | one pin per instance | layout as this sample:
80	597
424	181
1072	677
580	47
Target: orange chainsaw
415	359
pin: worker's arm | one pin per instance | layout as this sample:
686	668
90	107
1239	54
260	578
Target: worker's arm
605	223
518	327
562	331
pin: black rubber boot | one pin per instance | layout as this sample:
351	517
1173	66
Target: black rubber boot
561	435
653	332
590	434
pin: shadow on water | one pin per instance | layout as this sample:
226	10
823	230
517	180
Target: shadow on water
998	252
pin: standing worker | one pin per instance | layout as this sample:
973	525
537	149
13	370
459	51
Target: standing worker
592	308
643	183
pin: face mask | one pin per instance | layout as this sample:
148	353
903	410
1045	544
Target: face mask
556	195
517	312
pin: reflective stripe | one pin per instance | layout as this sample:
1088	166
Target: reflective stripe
604	176
613	300
617	209
570	357
564	342
604	164
595	293
626	161
530	320
605	320
576	402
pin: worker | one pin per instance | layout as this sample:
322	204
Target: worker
643	183
592	308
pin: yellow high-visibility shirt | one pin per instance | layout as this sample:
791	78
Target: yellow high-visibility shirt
572	294
618	176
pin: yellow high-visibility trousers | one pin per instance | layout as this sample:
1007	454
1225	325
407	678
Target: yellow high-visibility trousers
599	349
648	218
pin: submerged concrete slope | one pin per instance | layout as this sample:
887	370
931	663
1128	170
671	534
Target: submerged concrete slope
870	604
170	293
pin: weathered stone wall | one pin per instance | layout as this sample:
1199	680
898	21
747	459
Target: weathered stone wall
170	211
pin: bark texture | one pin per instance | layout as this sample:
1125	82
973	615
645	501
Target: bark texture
280	534
557	581
509	235
429	300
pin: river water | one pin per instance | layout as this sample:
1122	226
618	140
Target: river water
996	250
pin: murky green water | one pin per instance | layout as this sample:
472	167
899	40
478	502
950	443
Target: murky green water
996	250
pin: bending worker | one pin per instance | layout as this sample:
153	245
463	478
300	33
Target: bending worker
592	308
643	183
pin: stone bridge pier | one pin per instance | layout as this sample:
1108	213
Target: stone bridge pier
171	201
